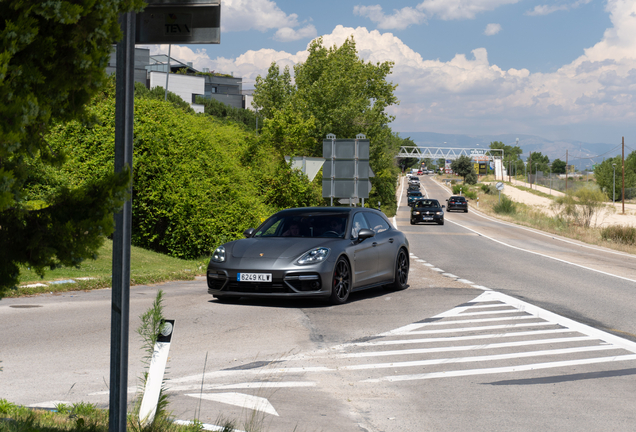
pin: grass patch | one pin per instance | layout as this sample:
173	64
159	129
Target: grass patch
531	217
146	267
620	234
505	205
80	417
532	191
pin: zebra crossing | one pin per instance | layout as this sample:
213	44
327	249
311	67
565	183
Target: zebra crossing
492	334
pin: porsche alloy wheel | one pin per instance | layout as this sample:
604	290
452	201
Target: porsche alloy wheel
341	284
401	271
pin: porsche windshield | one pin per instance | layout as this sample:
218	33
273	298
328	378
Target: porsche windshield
304	225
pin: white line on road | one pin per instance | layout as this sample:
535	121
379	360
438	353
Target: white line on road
466	347
460	338
521	368
239	399
543	255
486	358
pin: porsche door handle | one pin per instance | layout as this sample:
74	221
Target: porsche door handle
375	244
390	240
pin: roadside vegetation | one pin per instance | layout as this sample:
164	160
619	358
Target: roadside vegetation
575	215
199	180
146	267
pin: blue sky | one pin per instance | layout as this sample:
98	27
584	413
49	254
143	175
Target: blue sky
559	69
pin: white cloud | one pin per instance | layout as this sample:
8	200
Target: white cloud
261	15
492	29
400	19
548	9
460	9
469	95
287	34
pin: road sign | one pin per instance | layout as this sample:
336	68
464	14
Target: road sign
179	21
499	186
346	172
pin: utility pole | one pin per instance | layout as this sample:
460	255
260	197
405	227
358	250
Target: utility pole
623	164
530	170
566	172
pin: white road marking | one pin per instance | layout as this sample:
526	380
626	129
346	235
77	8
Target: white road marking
464	281
466	347
460	338
552	236
544	255
239	399
450	275
50	404
248	385
437	269
526	367
476	359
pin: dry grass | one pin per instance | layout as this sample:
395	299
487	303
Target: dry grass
533	218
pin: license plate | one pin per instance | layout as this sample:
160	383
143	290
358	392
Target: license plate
254	277
427	218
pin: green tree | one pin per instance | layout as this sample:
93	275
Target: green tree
604	174
539	162
334	91
273	92
53	56
463	166
558	166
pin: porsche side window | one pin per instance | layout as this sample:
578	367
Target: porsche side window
269	230
378	224
359	222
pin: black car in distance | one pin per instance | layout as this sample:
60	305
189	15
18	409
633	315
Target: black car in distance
315	252
457	203
427	210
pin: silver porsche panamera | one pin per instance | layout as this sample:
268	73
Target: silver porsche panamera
314	252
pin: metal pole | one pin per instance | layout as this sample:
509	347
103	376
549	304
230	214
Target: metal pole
124	111
550	179
530	169
614	185
167	73
623	164
566	172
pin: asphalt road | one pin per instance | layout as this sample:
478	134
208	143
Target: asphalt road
487	337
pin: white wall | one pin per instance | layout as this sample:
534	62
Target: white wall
184	86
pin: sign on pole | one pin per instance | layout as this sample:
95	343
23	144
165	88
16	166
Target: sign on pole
346	171
180	22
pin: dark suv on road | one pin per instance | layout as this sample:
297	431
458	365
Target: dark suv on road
457	203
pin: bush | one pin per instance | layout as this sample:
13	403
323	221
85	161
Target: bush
471	178
619	234
488	189
470	194
505	206
220	110
190	190
581	206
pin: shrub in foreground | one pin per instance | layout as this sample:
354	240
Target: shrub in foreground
619	234
505	206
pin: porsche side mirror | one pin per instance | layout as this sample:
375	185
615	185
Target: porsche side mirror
364	234
249	232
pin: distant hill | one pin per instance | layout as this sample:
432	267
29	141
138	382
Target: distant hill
580	153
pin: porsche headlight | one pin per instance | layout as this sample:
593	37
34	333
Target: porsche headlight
219	255
416	213
313	256
440	212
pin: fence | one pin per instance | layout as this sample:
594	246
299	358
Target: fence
575	183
